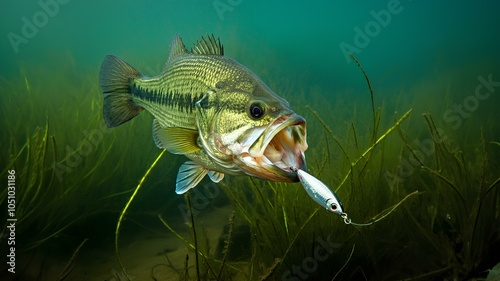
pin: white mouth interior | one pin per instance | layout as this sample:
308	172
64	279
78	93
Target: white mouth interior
286	149
275	151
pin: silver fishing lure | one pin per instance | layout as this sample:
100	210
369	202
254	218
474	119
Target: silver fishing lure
320	193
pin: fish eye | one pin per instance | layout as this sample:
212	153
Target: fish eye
257	110
334	207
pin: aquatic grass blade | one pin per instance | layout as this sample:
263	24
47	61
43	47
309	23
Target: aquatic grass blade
122	214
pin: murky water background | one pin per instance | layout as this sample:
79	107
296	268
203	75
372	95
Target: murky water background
439	57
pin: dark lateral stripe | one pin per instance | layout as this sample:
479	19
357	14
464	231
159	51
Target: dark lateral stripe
178	101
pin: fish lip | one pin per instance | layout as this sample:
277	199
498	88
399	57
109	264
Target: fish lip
285	135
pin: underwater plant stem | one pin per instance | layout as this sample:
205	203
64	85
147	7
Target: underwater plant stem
70	264
298	233
477	218
346	262
329	130
117	231
382	137
191	245
493	185
41	241
227	243
175	232
485	161
43	151
371	95
195	238
271	269
429	274
480	213
327	158
448	182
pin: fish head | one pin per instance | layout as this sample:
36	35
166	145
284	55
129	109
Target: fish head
262	135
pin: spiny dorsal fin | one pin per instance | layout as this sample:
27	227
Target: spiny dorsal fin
208	45
177	48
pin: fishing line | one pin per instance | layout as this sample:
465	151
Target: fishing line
325	197
347	220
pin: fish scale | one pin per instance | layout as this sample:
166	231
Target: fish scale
179	87
212	110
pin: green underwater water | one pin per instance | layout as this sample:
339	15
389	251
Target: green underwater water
74	175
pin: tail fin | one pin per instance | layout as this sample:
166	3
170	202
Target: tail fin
115	79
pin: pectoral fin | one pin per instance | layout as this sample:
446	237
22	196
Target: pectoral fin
189	175
215	176
175	140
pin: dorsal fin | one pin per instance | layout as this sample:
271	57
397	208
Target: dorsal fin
177	48
208	45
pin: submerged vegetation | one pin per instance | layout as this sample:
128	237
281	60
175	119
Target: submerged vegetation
449	231
64	160
70	170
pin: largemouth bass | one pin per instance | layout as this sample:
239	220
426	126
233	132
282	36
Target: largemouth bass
211	109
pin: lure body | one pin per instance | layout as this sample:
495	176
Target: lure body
320	193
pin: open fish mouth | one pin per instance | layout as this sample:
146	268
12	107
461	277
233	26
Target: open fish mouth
273	150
